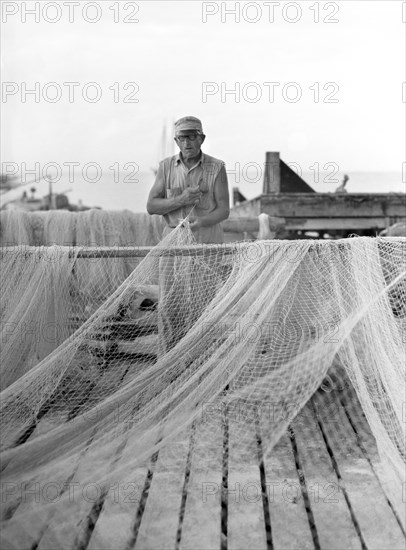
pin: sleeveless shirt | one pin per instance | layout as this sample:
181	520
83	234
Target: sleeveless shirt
177	177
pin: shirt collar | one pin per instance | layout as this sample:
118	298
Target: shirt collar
178	159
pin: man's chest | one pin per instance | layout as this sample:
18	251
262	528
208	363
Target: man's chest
181	178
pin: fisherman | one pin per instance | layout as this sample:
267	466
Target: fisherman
192	184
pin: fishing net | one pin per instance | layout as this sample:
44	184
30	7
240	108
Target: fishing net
89	227
57	291
195	335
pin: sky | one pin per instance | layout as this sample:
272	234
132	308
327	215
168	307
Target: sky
321	82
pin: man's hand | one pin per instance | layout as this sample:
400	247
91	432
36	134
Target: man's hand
191	195
195	224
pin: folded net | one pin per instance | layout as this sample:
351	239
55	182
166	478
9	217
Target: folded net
193	334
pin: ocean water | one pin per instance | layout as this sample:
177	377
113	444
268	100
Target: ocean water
132	195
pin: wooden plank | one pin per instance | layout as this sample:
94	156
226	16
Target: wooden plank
141	345
272	174
69	526
289	521
317	205
251	225
250	208
239	225
195	250
159	526
105	252
36	511
246	521
394	493
114	527
370	510
116	522
332	517
69	522
201	526
109	379
32	492
315	224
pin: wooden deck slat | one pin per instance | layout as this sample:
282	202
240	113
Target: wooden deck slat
377	523
32	518
246	523
334	526
114	527
394	493
289	522
201	526
69	524
339	469
159	525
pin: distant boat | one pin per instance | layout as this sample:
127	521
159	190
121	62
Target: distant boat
167	144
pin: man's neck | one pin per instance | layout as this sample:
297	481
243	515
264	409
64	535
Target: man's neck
190	162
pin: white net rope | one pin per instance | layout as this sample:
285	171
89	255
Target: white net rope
195	333
47	293
90	227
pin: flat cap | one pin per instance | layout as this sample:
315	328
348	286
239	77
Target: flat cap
188	123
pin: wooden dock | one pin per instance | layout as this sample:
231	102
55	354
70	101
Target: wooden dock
293	206
320	488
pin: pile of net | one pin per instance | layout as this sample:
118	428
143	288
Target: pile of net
213	328
92	227
57	294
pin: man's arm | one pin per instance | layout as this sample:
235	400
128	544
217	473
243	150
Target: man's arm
222	198
158	204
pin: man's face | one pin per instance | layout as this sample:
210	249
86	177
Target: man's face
189	143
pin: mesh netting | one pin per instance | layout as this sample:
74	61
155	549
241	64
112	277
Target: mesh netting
57	291
194	333
90	227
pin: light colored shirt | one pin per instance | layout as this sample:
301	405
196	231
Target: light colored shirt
176	177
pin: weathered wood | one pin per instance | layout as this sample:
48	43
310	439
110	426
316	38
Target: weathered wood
272	174
127	251
248	209
289	521
370	510
325	205
115	525
316	224
66	523
323	458
69	524
36	495
330	511
159	526
201	526
141	345
394	492
239	225
195	250
130	329
246	523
